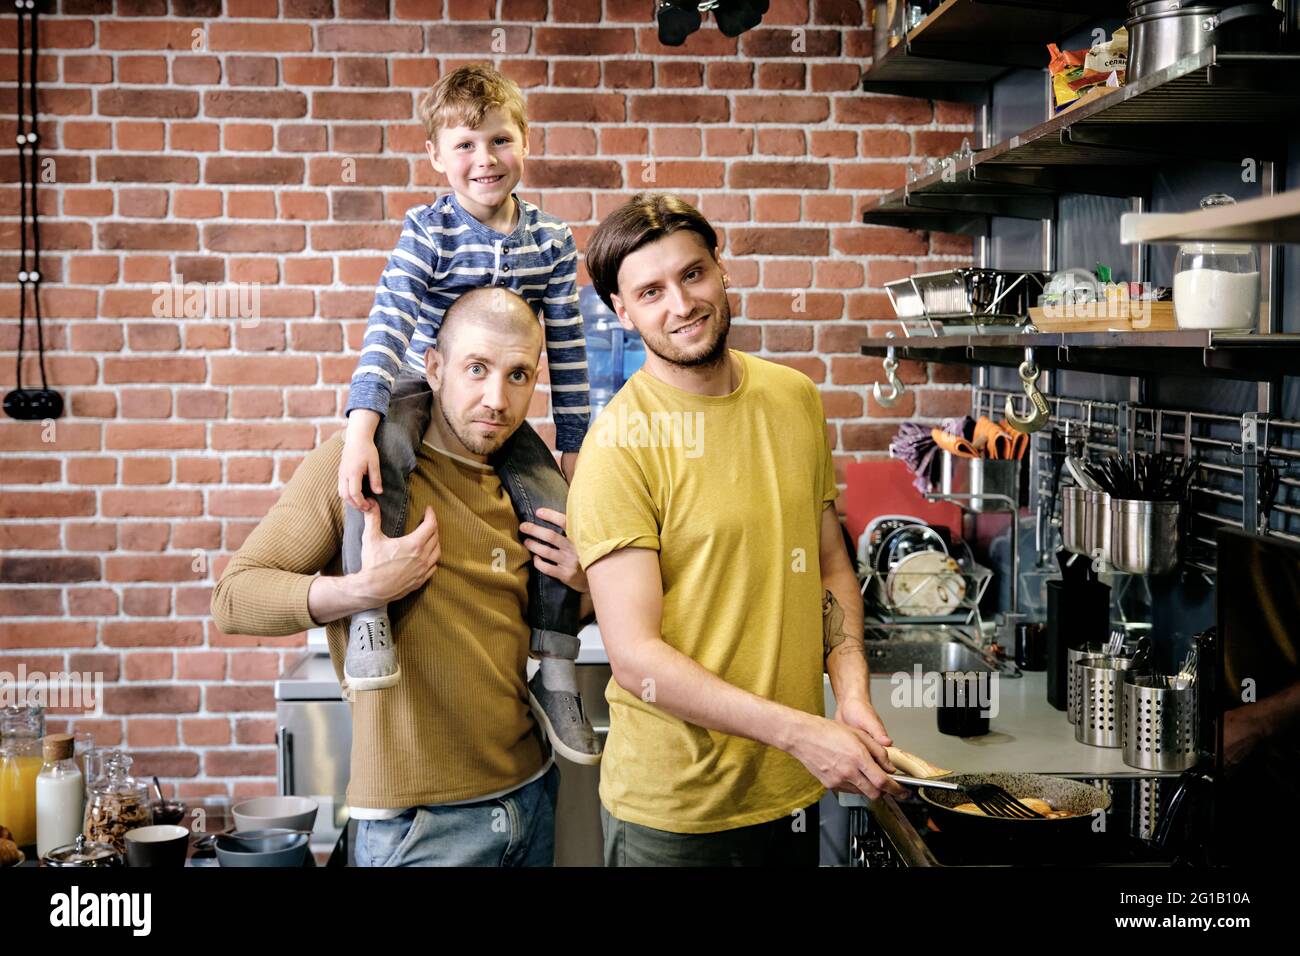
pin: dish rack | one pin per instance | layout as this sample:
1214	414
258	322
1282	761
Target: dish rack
886	614
929	301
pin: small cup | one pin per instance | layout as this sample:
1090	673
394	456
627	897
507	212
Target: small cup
961	713
162	845
1031	646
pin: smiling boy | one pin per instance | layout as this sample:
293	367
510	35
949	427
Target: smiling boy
478	235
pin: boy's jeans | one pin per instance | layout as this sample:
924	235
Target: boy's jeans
517	829
530	476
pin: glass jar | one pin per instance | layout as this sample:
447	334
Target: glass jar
22	720
83	854
1216	284
118	802
20	764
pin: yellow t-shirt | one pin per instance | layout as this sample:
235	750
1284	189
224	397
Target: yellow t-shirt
730	491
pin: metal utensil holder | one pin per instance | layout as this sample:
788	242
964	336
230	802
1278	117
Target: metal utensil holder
1101	711
980	478
1074	522
1144	536
1072	656
1160	724
1097	524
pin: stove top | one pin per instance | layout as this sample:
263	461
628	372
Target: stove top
901	833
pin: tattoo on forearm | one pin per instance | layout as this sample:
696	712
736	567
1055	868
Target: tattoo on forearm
834	634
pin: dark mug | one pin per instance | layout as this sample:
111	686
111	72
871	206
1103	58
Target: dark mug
163	845
961	706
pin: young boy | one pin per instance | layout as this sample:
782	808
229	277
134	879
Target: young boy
479	235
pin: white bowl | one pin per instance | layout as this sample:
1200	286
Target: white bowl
273	813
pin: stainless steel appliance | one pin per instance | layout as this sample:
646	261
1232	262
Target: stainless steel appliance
314	738
314	741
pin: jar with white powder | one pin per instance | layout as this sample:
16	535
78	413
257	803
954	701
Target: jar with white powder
1216	284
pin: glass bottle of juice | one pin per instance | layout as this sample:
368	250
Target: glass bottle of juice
20	763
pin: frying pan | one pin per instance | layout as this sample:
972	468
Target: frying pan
1081	799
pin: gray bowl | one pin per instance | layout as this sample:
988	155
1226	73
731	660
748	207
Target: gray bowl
274	813
275	847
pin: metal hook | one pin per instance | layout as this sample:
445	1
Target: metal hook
896	386
1039	413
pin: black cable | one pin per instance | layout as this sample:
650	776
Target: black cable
29	171
34	142
19	109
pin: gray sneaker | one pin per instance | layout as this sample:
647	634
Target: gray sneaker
371	662
563	717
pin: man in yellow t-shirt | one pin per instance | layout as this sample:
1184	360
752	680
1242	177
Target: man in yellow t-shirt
703	512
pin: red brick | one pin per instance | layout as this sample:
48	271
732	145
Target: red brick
204	731
783	242
270	436
286	37
149	665
248	137
94	602
867	109
123	235
144	536
91	536
308	71
260	170
652	108
30	602
196	70
92	471
176	504
144	732
162	699
146	471
140	633
196	137
361	106
53	504
245	698
171	104
197	470
110	665
46	634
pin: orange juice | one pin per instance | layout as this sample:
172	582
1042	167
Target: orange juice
18	774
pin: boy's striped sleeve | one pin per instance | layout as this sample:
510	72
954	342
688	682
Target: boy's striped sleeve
401	289
566	349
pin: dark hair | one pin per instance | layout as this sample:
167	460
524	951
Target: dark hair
643	219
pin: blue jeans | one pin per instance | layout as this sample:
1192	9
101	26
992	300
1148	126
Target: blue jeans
517	829
528	473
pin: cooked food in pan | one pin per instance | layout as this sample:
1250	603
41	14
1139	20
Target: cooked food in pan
1033	803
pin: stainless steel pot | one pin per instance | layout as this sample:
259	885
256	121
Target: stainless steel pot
1161	32
1144	536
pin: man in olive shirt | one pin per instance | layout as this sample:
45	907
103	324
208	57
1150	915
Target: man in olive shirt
441	759
703	512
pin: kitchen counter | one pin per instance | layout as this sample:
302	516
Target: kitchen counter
1028	734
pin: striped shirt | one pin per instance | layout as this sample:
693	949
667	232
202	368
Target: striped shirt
443	253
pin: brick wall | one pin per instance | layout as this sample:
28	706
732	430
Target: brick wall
228	164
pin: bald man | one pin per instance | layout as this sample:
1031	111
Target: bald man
443	757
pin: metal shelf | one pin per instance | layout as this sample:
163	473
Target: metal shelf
1233	355
965	44
1110	145
1266	219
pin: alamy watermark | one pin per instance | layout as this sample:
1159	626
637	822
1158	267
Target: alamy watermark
620	428
208	300
80	691
937	689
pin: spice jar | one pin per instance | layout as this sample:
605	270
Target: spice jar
83	853
118	802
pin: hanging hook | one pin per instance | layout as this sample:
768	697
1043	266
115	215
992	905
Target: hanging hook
896	386
1039	413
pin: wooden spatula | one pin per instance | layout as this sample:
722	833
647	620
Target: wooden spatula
913	765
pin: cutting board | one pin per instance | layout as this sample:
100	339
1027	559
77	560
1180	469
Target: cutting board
877	488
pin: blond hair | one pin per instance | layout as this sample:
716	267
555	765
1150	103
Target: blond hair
464	96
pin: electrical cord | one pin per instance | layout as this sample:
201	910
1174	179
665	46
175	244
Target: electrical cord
29	403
